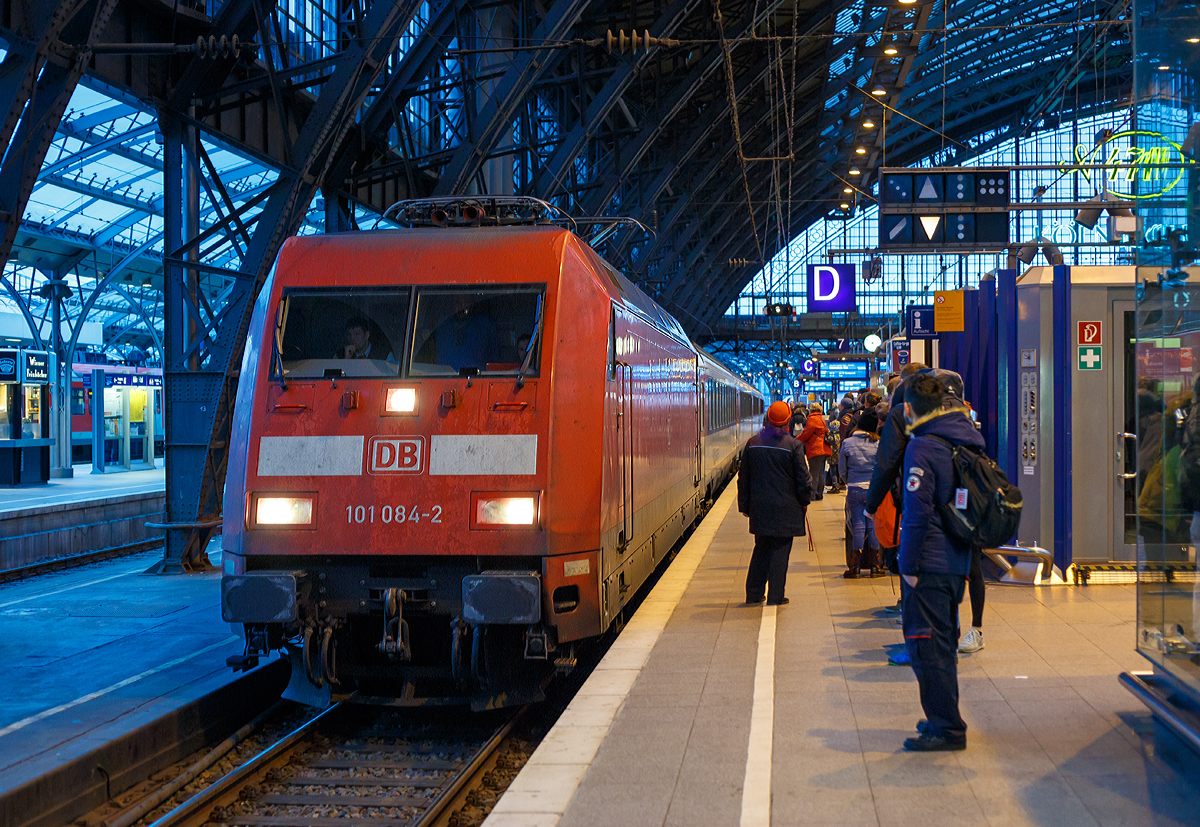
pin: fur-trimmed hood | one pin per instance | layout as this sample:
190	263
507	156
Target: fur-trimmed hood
952	425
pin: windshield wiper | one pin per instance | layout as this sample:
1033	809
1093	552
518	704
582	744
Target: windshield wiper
277	352
537	332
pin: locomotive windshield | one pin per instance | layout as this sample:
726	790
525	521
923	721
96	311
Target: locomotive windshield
489	330
350	334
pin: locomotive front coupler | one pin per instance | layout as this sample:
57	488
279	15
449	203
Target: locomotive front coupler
395	643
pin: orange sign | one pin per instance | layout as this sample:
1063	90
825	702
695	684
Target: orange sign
948	313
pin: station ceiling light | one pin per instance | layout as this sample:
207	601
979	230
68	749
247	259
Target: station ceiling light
847	190
855	171
1193	40
868	124
890	50
879	91
861	150
844	205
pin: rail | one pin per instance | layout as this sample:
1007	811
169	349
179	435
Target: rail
1017	574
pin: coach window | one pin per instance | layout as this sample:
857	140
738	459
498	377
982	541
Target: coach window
331	334
496	330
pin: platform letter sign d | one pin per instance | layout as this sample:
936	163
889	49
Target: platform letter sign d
831	288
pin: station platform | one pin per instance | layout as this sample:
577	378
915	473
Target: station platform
83	487
707	711
92	655
80	514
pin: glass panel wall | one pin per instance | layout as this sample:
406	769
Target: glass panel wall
1157	175
913	278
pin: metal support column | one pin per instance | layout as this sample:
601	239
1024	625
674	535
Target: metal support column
185	417
55	291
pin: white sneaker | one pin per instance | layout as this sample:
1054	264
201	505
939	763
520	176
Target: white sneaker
972	641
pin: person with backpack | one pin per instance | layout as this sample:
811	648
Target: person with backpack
799	416
934	562
816	448
856	461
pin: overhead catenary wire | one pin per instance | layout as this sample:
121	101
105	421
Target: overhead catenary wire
737	131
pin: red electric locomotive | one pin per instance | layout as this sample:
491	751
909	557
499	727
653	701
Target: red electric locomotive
457	451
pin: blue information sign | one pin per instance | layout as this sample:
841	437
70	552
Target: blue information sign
844	370
818	385
919	321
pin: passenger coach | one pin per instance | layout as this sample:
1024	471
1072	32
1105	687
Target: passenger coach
457	451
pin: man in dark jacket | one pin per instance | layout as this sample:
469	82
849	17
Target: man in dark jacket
933	563
773	491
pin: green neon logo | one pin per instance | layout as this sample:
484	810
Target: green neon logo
1161	166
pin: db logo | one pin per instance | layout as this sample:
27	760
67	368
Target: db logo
395	454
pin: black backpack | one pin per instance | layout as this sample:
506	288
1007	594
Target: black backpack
993	509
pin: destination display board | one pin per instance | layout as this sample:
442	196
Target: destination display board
844	370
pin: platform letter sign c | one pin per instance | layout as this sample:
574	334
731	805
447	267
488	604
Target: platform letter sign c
831	288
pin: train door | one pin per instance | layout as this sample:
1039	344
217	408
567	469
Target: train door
623	374
625	425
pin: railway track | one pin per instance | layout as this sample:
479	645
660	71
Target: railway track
81	559
355	766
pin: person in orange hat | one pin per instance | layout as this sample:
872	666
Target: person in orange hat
774	492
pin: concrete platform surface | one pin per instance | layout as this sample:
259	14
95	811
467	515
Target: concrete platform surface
83	487
709	712
84	649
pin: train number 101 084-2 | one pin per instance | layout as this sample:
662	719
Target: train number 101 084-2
391	514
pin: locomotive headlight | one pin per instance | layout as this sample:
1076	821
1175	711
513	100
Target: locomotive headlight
400	400
283	511
498	510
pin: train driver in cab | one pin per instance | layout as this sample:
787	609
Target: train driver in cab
358	342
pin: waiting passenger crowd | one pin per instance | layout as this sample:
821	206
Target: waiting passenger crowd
892	457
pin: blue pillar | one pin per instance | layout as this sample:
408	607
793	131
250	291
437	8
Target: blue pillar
1064	368
986	360
1008	371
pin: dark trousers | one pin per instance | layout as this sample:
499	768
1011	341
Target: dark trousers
976	588
816	475
768	568
930	614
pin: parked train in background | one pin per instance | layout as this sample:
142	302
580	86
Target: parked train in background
123	384
457	451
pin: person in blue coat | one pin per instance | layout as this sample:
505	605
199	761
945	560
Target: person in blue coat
774	492
932	562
